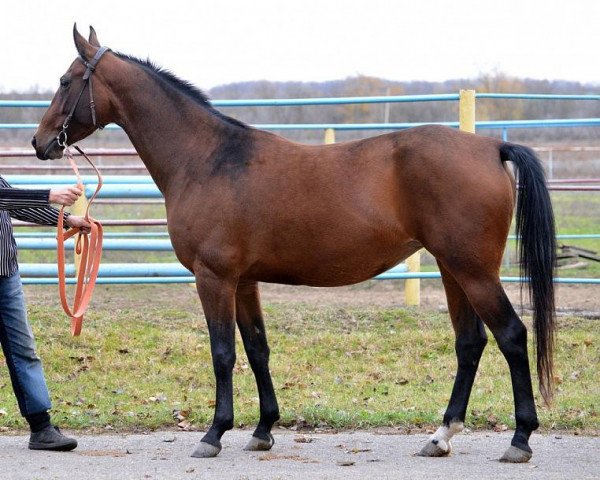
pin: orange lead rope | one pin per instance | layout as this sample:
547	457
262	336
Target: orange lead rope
89	247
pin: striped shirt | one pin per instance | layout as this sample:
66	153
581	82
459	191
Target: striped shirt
23	204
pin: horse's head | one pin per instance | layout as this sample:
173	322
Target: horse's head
79	106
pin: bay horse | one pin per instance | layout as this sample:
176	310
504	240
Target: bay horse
247	206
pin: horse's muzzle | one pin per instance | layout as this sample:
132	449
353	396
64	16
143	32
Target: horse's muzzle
52	151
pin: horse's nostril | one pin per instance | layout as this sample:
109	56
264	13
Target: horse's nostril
33	142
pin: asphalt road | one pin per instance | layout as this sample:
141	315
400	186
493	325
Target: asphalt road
347	455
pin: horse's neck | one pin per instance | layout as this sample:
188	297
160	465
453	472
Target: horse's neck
172	134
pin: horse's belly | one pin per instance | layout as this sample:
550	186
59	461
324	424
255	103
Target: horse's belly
330	269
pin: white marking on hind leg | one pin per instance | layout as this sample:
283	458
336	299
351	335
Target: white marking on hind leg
442	436
439	443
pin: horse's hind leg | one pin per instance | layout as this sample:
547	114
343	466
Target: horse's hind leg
510	333
252	328
470	342
486	295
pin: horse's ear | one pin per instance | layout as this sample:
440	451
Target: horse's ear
84	48
93	37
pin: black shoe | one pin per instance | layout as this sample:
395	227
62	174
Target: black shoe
50	438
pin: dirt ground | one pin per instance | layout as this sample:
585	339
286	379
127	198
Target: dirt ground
575	300
571	299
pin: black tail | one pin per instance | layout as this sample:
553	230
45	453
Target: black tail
537	253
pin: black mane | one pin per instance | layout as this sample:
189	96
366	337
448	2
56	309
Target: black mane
182	86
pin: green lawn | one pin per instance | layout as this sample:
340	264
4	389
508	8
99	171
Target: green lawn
336	367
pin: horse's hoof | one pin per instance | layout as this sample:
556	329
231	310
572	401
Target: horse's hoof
206	450
259	445
436	448
515	455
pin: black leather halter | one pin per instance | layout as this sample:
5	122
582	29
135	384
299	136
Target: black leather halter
61	138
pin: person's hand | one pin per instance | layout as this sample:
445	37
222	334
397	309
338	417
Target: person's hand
74	221
66	195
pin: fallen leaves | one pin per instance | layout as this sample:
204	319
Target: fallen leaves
82	358
490	420
182	420
267	457
102	453
158	398
353	450
240	367
185	425
293	384
180	414
350	451
85	364
300	423
303	439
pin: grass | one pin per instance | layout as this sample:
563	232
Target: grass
579	213
132	368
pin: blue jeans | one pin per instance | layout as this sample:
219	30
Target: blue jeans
18	345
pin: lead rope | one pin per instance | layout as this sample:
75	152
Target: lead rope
87	246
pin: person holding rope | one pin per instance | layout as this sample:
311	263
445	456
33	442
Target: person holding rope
16	336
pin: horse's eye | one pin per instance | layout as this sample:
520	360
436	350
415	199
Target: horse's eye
64	83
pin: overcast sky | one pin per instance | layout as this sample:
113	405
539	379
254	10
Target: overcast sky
213	42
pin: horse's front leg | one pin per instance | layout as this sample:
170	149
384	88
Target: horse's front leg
218	301
252	328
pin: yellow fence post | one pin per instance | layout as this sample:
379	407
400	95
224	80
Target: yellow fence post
329	136
412	286
466	109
